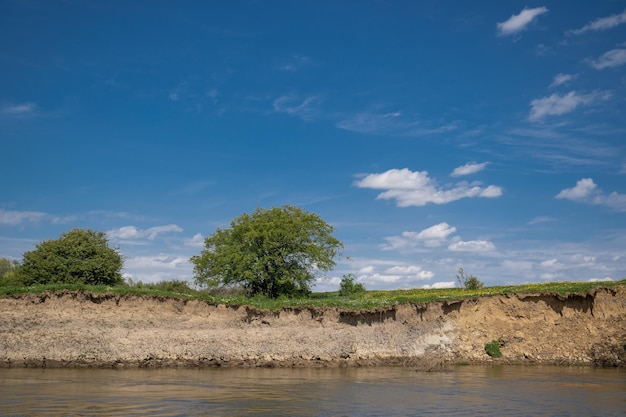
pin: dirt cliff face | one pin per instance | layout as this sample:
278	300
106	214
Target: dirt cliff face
78	329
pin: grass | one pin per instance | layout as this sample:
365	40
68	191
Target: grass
365	300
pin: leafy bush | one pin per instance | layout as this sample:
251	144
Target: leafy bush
79	256
7	272
493	348
349	286
174	286
468	281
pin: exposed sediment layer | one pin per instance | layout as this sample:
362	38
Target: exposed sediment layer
81	329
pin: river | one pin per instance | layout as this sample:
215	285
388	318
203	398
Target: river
460	391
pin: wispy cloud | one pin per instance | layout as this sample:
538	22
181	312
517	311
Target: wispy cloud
542	219
610	59
587	191
23	109
557	104
468	169
390	123
295	63
294	105
561	79
133	233
14	218
410	188
602	23
518	22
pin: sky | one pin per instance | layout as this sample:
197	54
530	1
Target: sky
432	135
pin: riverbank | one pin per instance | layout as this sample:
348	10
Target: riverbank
84	329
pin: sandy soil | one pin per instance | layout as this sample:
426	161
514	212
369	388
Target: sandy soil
78	329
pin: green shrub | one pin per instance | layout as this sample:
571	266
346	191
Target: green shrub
468	281
493	348
349	286
78	257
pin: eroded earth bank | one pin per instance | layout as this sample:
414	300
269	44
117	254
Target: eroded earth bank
79	329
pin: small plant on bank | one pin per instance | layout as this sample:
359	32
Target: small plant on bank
468	281
493	348
349	286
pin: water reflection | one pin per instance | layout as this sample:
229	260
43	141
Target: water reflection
463	391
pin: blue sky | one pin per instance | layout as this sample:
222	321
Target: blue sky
433	135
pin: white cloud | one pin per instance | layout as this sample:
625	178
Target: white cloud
542	219
517	23
295	63
156	268
469	168
602	23
23	109
197	241
410	188
296	106
610	59
399	275
17	217
472	246
583	189
132	232
605	279
431	237
561	79
587	191
439	285
557	104
390	123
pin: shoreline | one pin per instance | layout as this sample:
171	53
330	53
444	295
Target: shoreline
78	329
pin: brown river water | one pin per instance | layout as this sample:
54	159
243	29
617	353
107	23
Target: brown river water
460	391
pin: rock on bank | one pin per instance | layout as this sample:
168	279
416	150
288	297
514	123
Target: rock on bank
78	329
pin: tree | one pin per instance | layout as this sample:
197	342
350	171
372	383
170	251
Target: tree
272	252
469	282
79	256
7	271
349	286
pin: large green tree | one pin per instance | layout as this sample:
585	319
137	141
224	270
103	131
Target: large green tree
275	252
80	256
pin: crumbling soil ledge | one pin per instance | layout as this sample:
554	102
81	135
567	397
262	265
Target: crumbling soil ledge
82	329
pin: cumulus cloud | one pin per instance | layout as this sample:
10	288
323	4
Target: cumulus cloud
518	22
582	190
468	169
439	285
134	233
587	191
472	246
602	23
156	268
433	236
18	217
410	188
561	79
197	241
397	275
558	104
610	59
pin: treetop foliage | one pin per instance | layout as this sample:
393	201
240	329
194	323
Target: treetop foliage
277	251
80	256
